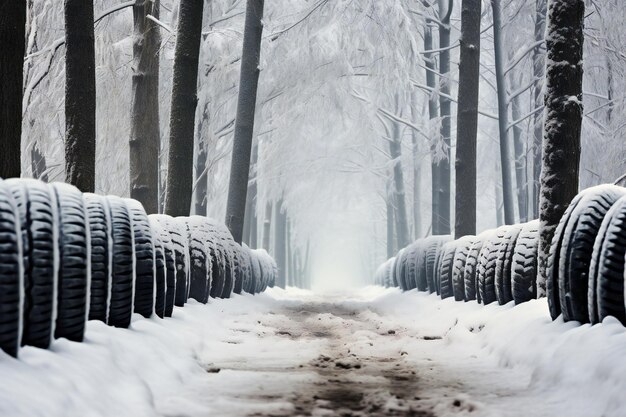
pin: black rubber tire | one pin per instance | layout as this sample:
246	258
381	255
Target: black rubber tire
101	245
199	260
487	270
421	272
256	273
552	269
412	265
178	234
73	273
470	272
144	259
11	273
393	277
432	246
577	250
238	268
122	262
504	260
524	267
39	247
218	273
400	268
158	223
610	264
160	275
464	245
446	265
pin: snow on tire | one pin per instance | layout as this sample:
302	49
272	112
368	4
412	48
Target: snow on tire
464	244
144	259
524	266
432	246
577	249
158	223
101	247
39	247
123	264
487	268
470	275
11	273
609	258
444	272
73	272
199	258
412	265
160	274
504	258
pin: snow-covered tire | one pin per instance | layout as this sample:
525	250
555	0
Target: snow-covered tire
609	256
412	265
199	259
487	269
470	272
464	245
39	247
504	259
160	275
158	223
238	268
144	259
122	264
421	272
577	249
524	267
400	267
552	268
432	246
446	265
11	273
73	272
101	245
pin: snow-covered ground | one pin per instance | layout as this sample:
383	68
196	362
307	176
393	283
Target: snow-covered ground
371	352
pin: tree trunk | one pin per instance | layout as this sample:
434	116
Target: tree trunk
402	224
183	111
443	166
144	129
250	222
505	152
280	249
390	223
417	170
12	39
80	95
467	119
244	122
201	179
520	161
267	227
563	118
498	191
539	63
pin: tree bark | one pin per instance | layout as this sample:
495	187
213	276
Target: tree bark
443	166
505	152
539	63
183	111
250	224
144	131
280	248
390	223
12	39
267	227
563	118
520	161
244	122
417	171
402	224
80	95
467	119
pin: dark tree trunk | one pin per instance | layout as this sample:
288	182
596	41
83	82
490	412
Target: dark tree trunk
539	63
80	95
467	119
505	152
280	248
402	224
443	166
183	112
563	118
12	39
244	123
144	129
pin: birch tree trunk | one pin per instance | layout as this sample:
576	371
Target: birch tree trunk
539	63
505	151
520	160
144	129
80	95
467	119
250	223
12	39
443	166
417	170
563	118
183	111
244	123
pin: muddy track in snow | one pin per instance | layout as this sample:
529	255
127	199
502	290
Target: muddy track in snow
350	384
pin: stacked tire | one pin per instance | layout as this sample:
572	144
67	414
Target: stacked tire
68	257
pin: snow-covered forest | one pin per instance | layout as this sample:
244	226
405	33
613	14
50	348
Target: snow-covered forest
460	162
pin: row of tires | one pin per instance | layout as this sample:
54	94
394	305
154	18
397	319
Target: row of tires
497	265
68	257
585	271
